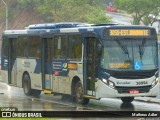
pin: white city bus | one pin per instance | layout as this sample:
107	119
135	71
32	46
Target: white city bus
89	62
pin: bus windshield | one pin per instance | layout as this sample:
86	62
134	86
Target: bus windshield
129	54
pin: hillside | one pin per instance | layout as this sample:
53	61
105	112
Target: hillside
24	19
22	13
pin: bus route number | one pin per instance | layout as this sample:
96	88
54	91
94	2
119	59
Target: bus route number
142	83
128	32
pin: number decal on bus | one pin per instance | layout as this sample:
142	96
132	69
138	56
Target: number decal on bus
142	83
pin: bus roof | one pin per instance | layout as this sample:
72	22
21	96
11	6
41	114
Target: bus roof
54	25
72	28
65	25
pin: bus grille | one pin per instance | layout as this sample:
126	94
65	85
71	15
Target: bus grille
132	74
143	89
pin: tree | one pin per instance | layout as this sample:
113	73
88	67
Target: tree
141	10
97	16
91	11
73	10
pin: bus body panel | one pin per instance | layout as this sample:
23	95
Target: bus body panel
31	67
4	75
62	84
36	82
132	82
49	82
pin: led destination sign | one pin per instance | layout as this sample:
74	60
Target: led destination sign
128	32
119	65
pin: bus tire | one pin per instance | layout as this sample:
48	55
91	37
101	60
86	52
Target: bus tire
27	85
79	94
127	99
36	93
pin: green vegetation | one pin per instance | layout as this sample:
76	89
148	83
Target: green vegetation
142	11
90	11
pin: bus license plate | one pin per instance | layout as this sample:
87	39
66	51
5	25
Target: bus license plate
133	91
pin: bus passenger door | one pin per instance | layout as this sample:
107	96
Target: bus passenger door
47	65
90	64
12	63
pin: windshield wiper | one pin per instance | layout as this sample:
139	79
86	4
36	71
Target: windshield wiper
141	48
124	48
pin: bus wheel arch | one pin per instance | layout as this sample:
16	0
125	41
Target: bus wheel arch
77	91
26	84
74	82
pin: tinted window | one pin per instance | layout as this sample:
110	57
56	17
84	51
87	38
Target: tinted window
75	47
5	47
60	47
13	47
22	46
34	46
48	49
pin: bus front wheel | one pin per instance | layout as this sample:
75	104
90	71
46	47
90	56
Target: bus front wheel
79	94
127	99
27	85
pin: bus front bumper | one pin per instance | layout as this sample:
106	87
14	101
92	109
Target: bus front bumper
104	91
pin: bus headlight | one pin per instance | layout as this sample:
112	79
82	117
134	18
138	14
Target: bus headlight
111	84
154	82
107	82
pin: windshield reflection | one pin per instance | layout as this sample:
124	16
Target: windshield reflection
129	54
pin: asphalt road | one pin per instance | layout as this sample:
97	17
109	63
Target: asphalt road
125	19
14	97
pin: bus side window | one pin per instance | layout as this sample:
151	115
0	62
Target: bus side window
5	47
38	55
23	46
60	47
75	47
48	49
35	47
25	53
